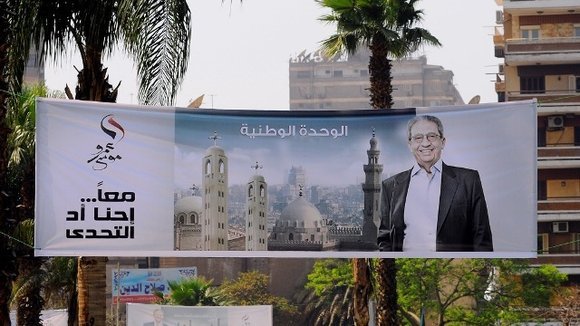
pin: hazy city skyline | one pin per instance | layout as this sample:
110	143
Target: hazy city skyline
240	52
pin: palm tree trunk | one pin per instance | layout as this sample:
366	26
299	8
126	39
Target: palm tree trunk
381	88
386	293
92	283
362	291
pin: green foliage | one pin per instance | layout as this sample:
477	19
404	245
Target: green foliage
21	120
194	292
330	301
461	291
60	281
540	285
252	288
329	274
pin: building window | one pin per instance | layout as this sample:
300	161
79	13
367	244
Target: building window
577	31
304	74
576	243
532	84
337	73
531	32
364	73
543	243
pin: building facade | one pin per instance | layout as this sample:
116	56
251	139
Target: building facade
539	41
342	83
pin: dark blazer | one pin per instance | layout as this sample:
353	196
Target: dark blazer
462	223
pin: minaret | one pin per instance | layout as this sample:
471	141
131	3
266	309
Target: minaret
214	229
256	210
372	193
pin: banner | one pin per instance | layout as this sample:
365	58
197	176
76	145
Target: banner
140	285
150	314
126	180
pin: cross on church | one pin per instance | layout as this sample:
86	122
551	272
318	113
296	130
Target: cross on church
215	138
194	189
256	166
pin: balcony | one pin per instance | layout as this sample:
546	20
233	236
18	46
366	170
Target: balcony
558	210
547	96
525	7
556	50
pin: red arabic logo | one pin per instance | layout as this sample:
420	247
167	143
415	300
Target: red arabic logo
105	154
110	128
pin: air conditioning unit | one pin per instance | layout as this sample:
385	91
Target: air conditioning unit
501	68
499	17
560	227
556	122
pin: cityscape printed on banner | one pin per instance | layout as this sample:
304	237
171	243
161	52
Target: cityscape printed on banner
283	184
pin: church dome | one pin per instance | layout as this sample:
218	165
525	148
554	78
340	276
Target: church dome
188	205
303	212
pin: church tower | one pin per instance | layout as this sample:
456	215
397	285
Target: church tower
372	193
256	210
214	229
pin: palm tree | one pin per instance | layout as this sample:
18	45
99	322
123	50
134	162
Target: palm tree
329	300
156	34
20	119
387	28
60	285
193	292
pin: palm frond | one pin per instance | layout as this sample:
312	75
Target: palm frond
157	34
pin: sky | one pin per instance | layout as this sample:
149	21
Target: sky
240	52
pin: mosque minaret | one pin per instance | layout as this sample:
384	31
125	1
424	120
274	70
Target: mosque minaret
214	229
372	192
256	212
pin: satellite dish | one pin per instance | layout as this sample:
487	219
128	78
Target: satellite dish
475	100
195	104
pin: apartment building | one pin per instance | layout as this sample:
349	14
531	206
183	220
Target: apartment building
539	41
342	83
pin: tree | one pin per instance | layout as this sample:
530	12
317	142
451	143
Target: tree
540	284
156	34
21	119
252	288
466	291
195	291
11	58
330	300
60	285
386	27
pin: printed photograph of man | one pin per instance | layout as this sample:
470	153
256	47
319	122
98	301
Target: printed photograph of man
158	317
433	206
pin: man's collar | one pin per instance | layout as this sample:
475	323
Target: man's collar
417	168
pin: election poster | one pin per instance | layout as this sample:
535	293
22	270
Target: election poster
143	285
130	180
139	314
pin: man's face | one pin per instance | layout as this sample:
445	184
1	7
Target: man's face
426	143
158	315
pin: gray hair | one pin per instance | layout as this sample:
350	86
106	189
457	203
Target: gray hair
429	118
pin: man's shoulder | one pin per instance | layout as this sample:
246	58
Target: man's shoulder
399	177
460	171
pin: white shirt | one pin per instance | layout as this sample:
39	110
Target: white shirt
422	209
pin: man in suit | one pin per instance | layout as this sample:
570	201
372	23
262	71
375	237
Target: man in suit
433	206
